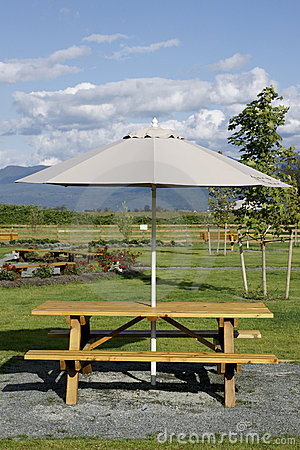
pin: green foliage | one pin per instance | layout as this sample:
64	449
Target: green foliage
7	272
31	214
99	243
116	260
124	221
221	201
292	169
106	219
72	270
43	272
260	148
257	126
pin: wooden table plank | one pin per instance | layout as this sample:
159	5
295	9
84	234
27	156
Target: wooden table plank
169	309
147	356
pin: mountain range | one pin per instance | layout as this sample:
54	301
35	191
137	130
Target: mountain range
79	199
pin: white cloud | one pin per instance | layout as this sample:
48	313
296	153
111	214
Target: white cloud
292	125
88	106
126	51
103	38
9	157
15	70
60	124
235	62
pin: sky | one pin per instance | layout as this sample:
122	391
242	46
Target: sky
75	75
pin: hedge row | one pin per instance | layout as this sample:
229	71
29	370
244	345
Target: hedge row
34	215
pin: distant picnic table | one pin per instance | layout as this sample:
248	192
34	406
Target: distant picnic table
55	253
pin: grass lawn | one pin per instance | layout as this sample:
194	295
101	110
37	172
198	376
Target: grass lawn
281	443
20	331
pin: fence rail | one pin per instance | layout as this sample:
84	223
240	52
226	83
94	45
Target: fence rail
84	234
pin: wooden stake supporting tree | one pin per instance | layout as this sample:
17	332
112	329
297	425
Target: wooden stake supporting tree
288	277
242	262
221	202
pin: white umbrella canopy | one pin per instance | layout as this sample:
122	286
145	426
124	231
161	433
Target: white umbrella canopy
157	158
152	157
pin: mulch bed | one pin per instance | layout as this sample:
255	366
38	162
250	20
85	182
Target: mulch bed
56	280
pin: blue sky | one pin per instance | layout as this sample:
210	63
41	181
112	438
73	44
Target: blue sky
75	75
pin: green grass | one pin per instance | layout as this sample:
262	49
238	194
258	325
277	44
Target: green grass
96	443
197	256
21	331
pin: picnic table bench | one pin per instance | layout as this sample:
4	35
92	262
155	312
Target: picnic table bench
55	253
8	236
231	236
24	267
82	341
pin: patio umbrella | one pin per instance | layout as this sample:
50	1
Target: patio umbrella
157	158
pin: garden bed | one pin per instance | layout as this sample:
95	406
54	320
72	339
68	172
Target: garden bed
55	280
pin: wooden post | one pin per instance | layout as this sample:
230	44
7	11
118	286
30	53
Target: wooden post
247	239
209	241
229	368
231	243
264	273
85	336
288	277
72	376
242	262
218	243
296	236
225	238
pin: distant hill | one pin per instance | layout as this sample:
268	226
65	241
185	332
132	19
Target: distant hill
79	199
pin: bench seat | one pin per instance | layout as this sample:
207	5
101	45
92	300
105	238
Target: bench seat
239	334
147	356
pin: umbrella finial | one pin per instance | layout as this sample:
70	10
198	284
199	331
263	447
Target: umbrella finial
154	122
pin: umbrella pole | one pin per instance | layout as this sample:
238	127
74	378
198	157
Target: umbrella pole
153	284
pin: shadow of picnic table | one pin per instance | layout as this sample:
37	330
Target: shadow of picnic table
182	377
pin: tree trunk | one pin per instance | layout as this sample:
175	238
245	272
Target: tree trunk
225	239
264	273
218	243
242	262
209	241
288	277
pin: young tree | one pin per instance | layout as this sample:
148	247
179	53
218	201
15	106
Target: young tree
36	217
124	220
255	133
221	201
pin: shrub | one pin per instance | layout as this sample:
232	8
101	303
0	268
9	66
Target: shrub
43	272
100	242
73	270
7	272
117	261
84	267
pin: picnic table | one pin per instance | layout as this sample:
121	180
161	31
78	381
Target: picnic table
55	253
62	266
83	340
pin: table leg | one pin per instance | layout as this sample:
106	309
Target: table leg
85	336
229	382
73	373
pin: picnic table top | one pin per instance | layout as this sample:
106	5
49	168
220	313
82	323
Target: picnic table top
54	250
162	309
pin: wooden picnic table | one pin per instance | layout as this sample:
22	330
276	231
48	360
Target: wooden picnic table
62	265
82	341
55	253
